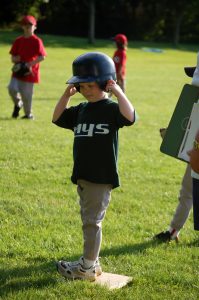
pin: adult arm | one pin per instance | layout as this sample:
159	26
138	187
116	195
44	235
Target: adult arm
194	154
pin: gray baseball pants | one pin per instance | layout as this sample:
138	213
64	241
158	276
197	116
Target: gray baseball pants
94	200
185	201
21	91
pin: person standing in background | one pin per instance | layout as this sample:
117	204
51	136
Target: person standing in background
120	58
29	50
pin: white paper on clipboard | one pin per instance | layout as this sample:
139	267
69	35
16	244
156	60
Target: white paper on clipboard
189	136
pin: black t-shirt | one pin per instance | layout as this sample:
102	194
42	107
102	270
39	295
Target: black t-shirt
95	149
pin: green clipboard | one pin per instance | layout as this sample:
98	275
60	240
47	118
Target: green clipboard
178	123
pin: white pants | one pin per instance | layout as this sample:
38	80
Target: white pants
21	91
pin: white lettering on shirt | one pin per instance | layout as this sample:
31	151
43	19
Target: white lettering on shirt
89	130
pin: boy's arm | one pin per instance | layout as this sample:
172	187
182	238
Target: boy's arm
125	106
119	73
63	102
16	58
36	61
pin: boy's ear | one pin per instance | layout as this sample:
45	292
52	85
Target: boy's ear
102	85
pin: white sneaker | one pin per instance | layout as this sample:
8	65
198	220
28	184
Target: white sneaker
76	270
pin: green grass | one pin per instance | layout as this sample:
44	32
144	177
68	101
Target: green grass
39	211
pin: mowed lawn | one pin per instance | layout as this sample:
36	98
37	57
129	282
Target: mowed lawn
39	209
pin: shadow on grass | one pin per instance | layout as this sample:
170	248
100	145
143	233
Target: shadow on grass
57	41
129	249
17	279
6	119
39	274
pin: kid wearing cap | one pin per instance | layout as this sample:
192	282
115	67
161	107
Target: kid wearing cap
95	124
26	48
120	58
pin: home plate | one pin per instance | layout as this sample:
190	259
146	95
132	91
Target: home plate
113	281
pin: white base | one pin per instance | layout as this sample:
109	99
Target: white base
113	281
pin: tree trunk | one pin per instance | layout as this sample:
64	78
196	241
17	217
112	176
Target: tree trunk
91	33
176	36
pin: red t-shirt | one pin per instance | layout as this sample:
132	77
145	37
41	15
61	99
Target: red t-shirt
119	59
29	49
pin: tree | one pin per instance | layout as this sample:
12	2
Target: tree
177	13
148	20
91	33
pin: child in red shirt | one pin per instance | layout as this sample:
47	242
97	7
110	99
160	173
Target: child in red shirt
26	48
119	59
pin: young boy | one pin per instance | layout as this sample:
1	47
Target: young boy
29	49
95	124
119	59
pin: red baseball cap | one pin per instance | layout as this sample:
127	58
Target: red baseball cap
29	20
121	38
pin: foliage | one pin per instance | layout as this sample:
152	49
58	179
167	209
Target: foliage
148	20
13	10
39	210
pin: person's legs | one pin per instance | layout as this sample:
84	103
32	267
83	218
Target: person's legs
196	203
94	200
13	90
185	201
26	91
182	210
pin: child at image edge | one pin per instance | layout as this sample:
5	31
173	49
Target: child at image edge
95	124
26	48
119	58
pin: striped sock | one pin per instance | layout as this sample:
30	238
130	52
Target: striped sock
174	233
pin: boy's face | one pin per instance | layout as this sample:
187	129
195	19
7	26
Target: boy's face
28	29
91	91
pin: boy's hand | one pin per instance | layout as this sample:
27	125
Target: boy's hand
70	90
125	106
16	59
21	69
113	87
162	132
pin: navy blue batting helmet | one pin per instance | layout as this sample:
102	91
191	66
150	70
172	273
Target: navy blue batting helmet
93	67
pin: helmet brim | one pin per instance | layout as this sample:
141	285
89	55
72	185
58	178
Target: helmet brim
79	79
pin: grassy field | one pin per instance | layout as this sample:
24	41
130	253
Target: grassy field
39	210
